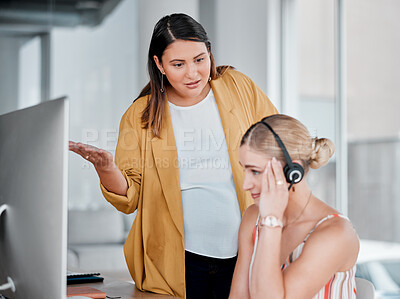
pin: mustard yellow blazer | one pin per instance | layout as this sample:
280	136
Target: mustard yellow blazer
155	248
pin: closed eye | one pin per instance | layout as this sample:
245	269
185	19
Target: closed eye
200	59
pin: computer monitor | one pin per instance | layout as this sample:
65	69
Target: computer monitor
33	201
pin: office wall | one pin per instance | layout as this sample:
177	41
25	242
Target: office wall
97	68
30	63
19	72
9	72
241	38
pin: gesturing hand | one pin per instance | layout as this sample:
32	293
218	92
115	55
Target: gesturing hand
274	190
101	159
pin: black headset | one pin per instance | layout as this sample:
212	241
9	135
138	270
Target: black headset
294	172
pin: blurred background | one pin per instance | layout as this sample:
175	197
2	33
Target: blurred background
334	64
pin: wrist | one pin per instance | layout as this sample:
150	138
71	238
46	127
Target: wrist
106	168
270	221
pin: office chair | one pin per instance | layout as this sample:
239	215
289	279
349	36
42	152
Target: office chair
365	289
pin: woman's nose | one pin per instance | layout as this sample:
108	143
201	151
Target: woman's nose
247	184
191	71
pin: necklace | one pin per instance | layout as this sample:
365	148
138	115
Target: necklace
301	213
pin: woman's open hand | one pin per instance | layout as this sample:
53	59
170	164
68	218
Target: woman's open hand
101	159
109	174
274	190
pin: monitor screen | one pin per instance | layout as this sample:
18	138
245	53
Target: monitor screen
33	201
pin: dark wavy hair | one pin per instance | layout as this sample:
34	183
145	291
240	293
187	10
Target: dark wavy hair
167	30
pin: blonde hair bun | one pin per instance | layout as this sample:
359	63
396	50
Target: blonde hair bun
322	152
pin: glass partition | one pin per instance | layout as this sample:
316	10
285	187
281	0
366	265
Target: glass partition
370	77
373	44
311	96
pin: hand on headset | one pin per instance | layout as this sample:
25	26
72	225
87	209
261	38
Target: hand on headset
274	190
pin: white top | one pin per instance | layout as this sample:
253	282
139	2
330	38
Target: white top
211	213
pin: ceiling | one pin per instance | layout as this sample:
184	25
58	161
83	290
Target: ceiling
33	16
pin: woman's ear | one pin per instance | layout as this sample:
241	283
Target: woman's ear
298	162
159	65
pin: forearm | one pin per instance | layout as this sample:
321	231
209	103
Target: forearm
267	278
113	180
239	295
240	287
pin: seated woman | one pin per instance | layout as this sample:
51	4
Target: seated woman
291	244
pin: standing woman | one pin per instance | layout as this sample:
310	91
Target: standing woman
291	244
176	164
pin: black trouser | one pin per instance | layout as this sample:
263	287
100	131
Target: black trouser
208	277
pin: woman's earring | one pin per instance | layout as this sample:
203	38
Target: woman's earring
162	83
209	79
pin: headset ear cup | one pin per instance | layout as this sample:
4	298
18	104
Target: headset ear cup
294	174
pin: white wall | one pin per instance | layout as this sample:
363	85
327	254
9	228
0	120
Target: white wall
241	38
9	73
29	73
19	72
97	69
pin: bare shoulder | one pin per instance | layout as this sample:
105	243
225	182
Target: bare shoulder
249	219
251	214
339	228
334	226
335	236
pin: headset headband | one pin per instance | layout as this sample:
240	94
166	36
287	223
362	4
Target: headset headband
281	145
294	172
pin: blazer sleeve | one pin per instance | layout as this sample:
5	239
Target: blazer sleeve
128	158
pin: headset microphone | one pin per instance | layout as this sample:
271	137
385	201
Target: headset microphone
293	172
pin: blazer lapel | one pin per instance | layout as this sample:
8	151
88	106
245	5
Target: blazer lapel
166	161
230	121
234	130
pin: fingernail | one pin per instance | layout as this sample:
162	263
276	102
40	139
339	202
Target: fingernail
273	159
